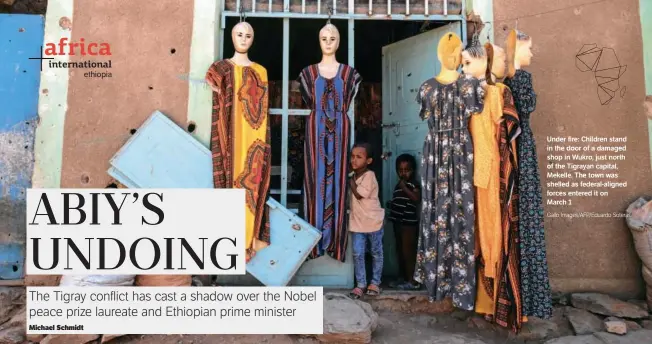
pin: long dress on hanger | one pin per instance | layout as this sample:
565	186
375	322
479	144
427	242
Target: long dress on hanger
240	142
484	128
535	284
445	249
328	135
502	294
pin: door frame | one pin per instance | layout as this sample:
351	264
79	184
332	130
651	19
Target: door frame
209	26
351	18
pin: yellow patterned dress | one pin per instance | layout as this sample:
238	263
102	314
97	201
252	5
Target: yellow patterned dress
240	141
484	128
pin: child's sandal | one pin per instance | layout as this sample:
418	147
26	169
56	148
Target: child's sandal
356	293
373	290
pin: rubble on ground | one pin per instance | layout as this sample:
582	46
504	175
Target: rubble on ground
577	319
347	320
607	305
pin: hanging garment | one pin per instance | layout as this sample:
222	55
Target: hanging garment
484	128
501	296
445	249
328	133
240	142
535	284
486	178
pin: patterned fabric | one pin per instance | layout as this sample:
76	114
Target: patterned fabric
485	127
375	241
502	294
535	284
508	305
403	210
445	250
486	178
328	133
240	142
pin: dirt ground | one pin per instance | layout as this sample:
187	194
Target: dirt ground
392	328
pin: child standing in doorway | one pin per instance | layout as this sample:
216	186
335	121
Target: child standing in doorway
366	221
403	214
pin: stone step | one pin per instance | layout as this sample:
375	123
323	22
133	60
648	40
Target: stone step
409	302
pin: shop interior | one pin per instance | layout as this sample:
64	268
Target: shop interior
370	37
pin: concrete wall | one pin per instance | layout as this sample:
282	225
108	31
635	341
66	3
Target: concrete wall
590	253
646	29
85	120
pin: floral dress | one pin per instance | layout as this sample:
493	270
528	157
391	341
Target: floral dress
535	285
445	250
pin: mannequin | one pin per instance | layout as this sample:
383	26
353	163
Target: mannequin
240	133
445	255
328	88
535	284
486	170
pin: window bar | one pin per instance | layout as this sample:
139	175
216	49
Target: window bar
286	5
371	7
269	9
303	6
463	23
407	7
220	43
351	53
426	5
364	16
237	6
446	7
284	119
291	112
351	7
389	7
318	6
334	7
253	6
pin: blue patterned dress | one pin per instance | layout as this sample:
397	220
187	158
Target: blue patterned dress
535	284
326	154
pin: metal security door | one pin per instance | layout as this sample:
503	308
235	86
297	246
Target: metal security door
406	65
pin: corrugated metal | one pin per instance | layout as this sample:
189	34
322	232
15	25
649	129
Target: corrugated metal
22	37
162	155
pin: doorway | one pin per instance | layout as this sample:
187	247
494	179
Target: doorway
383	52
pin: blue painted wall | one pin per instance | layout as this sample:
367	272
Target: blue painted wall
22	37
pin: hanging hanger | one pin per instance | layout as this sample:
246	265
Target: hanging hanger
330	13
489	30
450	32
243	16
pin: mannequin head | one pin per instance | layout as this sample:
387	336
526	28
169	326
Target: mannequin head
449	51
474	60
519	51
497	67
243	37
329	39
523	49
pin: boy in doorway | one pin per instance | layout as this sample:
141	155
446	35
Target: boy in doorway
403	213
366	220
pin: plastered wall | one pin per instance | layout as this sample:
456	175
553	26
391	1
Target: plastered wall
587	254
150	45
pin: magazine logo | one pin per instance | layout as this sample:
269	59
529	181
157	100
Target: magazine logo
81	48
